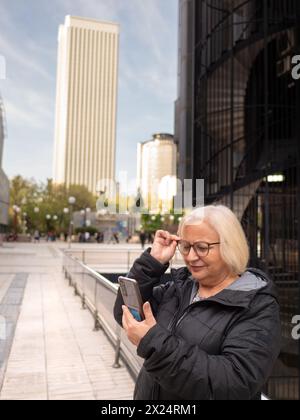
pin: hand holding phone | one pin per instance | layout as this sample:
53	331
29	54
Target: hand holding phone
132	297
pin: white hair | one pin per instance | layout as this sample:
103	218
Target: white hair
234	247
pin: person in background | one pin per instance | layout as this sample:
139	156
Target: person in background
116	237
36	236
87	236
143	239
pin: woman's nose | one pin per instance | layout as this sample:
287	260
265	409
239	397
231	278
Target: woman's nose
192	256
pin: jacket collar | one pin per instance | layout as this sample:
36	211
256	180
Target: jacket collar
234	298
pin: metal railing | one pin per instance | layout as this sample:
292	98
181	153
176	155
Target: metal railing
98	295
121	258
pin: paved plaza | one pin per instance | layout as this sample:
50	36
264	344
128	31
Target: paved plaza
51	351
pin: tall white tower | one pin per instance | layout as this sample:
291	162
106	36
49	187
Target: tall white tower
157	168
86	102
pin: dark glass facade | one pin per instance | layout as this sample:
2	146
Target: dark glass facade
238	127
4	183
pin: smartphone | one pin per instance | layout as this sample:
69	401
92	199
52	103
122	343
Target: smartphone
132	297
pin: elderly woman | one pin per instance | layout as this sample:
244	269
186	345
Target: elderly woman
213	331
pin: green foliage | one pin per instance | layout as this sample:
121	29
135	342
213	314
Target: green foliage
36	201
92	231
153	222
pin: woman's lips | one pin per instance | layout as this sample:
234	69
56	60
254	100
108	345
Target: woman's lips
197	267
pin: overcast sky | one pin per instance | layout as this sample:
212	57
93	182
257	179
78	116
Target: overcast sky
147	75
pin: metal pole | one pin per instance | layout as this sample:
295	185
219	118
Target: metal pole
266	140
71	226
232	115
116	364
128	261
298	212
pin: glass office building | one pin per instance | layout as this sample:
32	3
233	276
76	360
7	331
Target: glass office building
238	127
4	183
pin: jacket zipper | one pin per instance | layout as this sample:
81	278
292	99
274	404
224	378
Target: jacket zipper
174	321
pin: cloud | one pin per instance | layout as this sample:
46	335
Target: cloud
22	58
147	71
33	112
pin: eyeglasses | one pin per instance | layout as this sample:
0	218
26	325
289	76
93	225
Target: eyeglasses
201	248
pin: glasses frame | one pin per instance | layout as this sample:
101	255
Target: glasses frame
209	245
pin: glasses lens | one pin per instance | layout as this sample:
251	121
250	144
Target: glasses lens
184	247
201	249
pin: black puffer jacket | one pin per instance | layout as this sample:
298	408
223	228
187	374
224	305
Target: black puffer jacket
221	348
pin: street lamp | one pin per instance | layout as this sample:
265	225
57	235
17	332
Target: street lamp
36	211
72	201
66	212
24	222
48	218
16	210
84	213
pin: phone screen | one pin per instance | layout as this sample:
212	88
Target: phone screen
131	296
135	314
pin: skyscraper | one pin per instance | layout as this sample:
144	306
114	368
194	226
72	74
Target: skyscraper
86	103
156	166
238	128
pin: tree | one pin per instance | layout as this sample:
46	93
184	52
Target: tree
153	222
37	201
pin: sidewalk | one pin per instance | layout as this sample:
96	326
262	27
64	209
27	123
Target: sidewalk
54	352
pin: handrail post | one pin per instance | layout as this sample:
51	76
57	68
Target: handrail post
117	364
97	325
83	301
76	293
